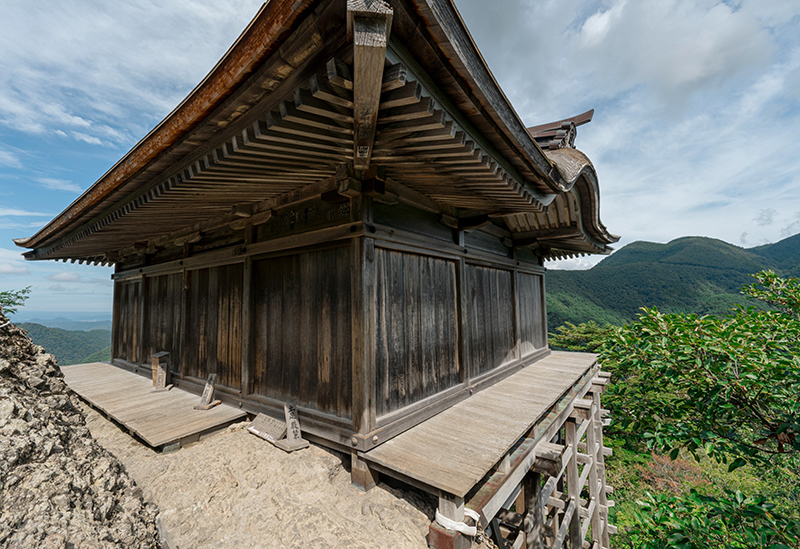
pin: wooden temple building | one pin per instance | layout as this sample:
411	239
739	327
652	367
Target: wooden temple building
348	215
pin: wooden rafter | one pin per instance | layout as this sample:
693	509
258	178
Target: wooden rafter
369	23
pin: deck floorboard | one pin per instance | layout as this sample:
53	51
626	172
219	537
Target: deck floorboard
454	450
158	418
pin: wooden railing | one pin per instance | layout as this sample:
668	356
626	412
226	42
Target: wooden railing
549	510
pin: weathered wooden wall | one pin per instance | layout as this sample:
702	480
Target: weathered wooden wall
416	328
162	325
127	308
213	339
302	341
532	316
490	318
440	311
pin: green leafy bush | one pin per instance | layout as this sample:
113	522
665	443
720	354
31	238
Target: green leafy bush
695	521
11	299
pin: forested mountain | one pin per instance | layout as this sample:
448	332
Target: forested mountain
71	346
690	274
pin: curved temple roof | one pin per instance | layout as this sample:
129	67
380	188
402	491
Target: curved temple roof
279	112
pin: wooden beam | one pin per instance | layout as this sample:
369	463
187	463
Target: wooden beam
369	24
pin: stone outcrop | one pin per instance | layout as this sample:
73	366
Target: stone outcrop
58	486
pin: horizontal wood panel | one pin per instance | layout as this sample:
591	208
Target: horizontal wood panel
416	328
302	320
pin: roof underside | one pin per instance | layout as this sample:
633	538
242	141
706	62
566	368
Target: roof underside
276	116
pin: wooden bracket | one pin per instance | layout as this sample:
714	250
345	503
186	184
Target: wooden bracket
369	24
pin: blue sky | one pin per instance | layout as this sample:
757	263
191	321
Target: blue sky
695	132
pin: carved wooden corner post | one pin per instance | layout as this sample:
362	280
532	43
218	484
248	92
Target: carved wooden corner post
369	23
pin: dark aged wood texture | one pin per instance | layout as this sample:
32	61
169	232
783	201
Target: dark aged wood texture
532	325
162	326
417	335
302	321
127	339
490	318
213	325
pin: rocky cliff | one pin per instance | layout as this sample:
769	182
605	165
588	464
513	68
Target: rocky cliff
58	486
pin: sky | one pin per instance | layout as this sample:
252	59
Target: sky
696	126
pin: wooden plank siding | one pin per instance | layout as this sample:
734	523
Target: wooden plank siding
373	331
213	332
127	339
417	334
490	318
532	320
302	329
162	326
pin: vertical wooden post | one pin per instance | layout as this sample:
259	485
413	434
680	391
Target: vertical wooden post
516	297
115	317
532	487
186	282
462	304
574	491
543	300
247	327
142	310
451	507
601	471
592	450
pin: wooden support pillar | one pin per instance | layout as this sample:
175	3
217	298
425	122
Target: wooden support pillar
573	483
594	491
369	23
601	471
140	322
247	326
532	488
451	507
361	476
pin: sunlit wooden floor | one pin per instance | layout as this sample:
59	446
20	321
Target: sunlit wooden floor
160	419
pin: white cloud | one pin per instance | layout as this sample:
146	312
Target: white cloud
64	276
90	139
4	211
58	288
59	184
104	73
765	216
10	268
9	159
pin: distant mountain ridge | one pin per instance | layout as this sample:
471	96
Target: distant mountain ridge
690	274
71	346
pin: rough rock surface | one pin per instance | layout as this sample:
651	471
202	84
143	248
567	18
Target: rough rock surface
58	486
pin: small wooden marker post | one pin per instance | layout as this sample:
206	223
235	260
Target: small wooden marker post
268	428
208	394
294	439
160	365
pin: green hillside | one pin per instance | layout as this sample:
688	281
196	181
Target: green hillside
71	346
691	274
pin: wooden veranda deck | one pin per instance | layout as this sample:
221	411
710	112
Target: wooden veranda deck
455	450
160	419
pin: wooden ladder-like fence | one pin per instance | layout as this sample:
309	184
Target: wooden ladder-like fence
562	501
